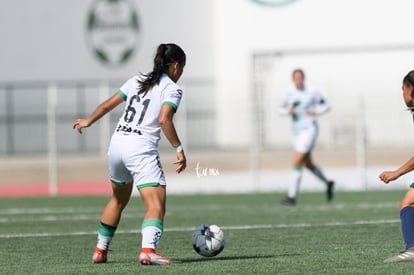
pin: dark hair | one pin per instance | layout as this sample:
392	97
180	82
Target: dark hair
298	71
166	55
409	79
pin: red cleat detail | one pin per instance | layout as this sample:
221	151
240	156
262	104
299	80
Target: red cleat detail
99	256
153	258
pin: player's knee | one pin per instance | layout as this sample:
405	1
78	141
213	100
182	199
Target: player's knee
408	199
404	203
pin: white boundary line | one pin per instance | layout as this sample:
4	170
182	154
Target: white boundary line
83	210
185	229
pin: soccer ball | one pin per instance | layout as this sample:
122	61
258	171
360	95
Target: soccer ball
208	240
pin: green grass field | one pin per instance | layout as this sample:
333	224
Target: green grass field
352	235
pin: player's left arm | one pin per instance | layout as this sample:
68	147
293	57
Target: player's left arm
102	109
321	106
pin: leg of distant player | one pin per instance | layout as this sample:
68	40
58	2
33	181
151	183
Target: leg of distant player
152	227
298	160
297	174
110	220
294	187
318	173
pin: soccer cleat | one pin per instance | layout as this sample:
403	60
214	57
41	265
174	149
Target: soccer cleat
288	201
153	258
99	256
405	256
329	190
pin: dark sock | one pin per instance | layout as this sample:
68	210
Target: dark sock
318	173
407	226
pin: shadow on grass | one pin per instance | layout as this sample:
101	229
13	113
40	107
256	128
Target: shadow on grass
203	259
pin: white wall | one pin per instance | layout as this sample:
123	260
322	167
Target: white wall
46	39
244	27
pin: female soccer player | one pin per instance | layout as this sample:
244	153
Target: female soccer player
303	104
407	203
151	101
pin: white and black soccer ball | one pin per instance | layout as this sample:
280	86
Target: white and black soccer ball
208	240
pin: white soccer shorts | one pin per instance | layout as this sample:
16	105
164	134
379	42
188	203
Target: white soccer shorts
133	158
305	140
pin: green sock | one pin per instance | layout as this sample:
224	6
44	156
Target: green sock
105	234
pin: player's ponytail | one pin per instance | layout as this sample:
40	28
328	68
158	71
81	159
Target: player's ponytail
165	56
409	79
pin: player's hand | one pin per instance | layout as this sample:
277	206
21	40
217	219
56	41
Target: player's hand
181	162
81	123
388	176
291	111
310	113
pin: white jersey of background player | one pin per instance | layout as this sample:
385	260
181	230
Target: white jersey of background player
304	104
307	104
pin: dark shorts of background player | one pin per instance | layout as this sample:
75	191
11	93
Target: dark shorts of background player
412	185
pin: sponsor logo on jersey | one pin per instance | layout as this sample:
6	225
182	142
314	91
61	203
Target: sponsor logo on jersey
177	94
113	31
273	3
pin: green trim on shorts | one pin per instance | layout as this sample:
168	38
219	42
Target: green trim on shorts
119	183
152	222
121	93
170	103
152	184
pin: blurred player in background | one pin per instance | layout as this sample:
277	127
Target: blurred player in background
303	104
407	203
151	101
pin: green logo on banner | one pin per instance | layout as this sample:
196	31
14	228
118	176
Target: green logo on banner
274	3
113	31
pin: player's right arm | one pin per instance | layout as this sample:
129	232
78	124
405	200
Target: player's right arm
286	108
167	125
102	109
388	176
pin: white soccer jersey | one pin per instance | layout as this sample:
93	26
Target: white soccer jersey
303	101
141	112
